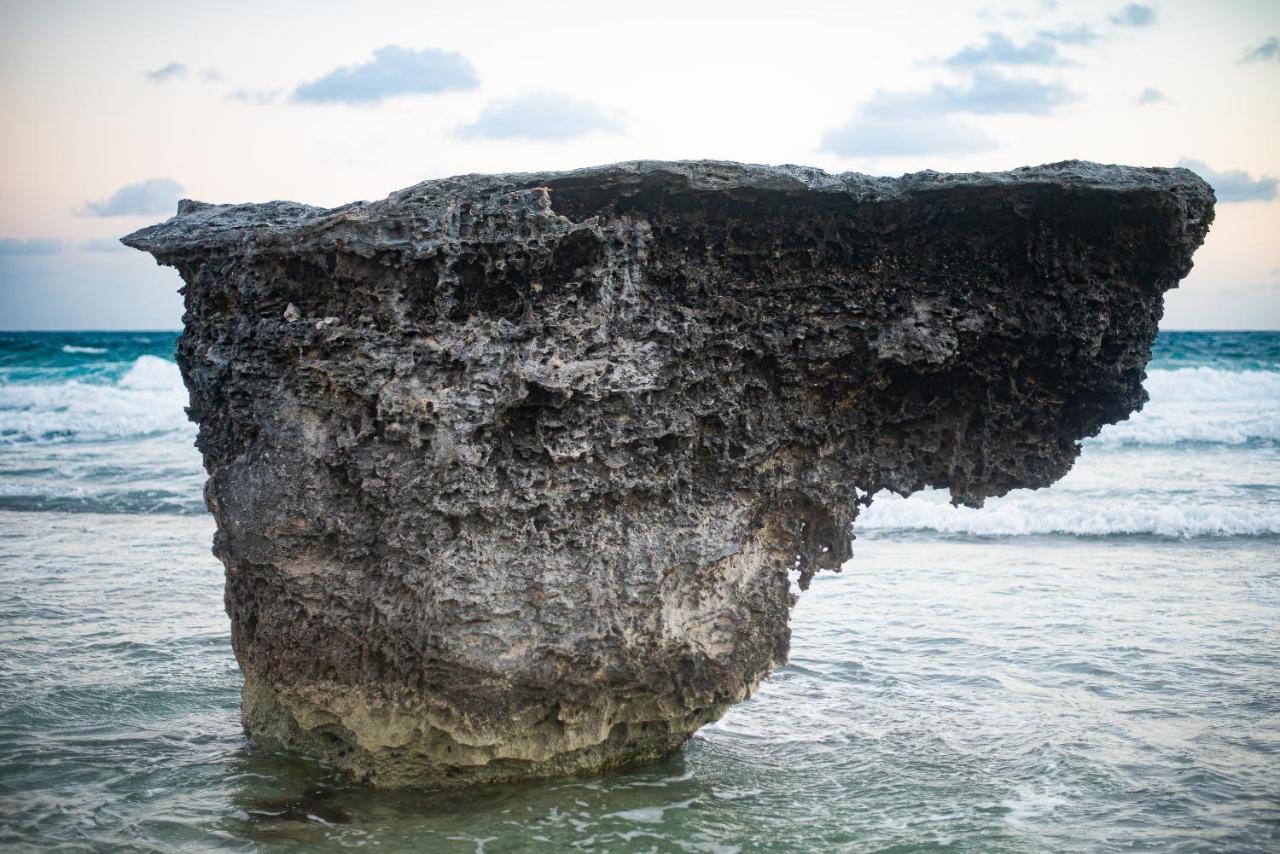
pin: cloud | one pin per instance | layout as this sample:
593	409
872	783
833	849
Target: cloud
1267	50
540	117
1151	96
869	135
165	73
393	71
1134	15
102	244
914	123
179	71
999	49
33	246
152	196
1081	34
254	96
993	92
1011	13
986	92
1234	185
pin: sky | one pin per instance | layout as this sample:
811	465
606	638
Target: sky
114	110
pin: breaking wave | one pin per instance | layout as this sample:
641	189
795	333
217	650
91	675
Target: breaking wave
1023	515
1212	384
1202	406
147	399
1200	460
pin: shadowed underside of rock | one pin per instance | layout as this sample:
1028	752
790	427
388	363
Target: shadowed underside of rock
509	471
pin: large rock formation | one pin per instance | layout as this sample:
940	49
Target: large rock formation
509	471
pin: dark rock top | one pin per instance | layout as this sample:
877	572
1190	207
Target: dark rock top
358	227
508	470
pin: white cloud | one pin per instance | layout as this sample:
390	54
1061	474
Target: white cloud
999	49
392	71
1234	185
1134	15
32	246
102	244
165	73
918	123
254	96
993	92
870	135
1267	50
1080	34
541	117
152	196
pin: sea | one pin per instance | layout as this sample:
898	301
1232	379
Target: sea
1089	667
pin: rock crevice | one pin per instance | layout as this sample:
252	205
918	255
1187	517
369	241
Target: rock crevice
509	471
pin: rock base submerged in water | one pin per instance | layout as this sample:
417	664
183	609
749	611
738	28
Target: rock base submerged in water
509	471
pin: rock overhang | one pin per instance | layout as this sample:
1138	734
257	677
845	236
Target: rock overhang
509	470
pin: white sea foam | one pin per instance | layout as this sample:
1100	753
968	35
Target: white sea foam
71	348
1208	384
1028	805
1043	513
148	399
1202	405
152	372
1169	425
1145	476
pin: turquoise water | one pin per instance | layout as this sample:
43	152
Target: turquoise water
1095	666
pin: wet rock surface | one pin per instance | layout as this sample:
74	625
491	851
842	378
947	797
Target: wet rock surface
510	471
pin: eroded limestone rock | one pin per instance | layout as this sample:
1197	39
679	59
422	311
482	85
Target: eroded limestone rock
509	471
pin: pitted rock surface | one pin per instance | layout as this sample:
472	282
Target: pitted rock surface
509	471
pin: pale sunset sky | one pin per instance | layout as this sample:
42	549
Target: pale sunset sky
114	110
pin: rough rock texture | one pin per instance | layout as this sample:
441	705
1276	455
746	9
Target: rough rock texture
509	471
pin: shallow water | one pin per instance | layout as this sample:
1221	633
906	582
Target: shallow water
1090	667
